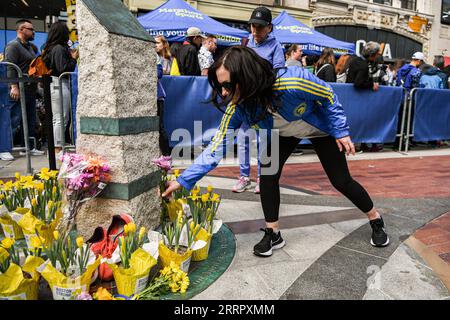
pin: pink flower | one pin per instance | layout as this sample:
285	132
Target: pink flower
164	163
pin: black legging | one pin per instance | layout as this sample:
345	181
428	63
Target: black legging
335	166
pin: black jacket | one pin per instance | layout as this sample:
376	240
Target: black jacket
59	60
358	74
326	73
187	59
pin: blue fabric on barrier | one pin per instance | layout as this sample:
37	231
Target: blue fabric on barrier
184	104
372	116
431	115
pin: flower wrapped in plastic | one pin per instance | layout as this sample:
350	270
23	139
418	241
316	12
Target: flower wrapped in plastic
70	267
18	280
83	178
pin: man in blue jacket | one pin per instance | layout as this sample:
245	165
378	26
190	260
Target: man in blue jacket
408	76
266	46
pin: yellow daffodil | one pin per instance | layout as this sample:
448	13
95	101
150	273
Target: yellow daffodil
180	218
131	227
102	294
56	234
141	233
80	242
8	186
37	242
7	243
176	173
34	202
2	196
54	190
215	197
17	175
44	174
205	197
39	186
126	229
209	189
195	190
3	254
53	174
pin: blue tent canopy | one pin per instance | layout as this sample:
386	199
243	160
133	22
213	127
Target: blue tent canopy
174	17
287	29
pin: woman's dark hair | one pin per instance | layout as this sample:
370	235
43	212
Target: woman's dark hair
254	75
327	56
174	48
58	34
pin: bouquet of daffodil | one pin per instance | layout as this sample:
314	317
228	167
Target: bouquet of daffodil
171	278
131	276
130	242
69	267
18	279
83	178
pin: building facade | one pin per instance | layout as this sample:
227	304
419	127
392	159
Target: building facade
402	26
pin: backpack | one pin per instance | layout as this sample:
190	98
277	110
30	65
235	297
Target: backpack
38	68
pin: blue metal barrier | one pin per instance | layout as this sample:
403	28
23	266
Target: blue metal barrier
431	119
372	116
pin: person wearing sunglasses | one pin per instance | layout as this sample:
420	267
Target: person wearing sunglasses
290	104
21	52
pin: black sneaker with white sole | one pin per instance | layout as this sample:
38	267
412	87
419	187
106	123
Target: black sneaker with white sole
379	236
269	242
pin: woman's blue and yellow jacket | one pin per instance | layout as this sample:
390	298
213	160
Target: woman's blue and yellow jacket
302	96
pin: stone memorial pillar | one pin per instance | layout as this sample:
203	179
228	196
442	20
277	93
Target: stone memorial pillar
116	112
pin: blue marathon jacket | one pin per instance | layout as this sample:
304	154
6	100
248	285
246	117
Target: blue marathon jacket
270	49
303	96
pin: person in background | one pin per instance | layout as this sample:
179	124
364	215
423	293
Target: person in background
358	70
409	75
263	42
341	68
294	56
161	96
377	71
430	77
59	59
187	56
446	70
163	51
205	55
439	63
325	68
20	52
390	74
174	48
309	62
397	65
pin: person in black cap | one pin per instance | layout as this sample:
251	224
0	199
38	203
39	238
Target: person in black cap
266	46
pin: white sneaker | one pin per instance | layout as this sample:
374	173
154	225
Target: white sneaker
6	156
34	152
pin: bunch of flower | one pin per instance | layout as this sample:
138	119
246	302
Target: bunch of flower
164	163
172	232
180	193
171	278
130	242
102	294
8	254
83	177
204	207
70	255
14	194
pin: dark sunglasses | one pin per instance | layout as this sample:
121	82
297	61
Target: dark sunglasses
31	29
226	85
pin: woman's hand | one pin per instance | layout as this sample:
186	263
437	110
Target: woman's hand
347	144
171	187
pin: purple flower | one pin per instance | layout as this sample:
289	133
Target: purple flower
164	163
84	296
